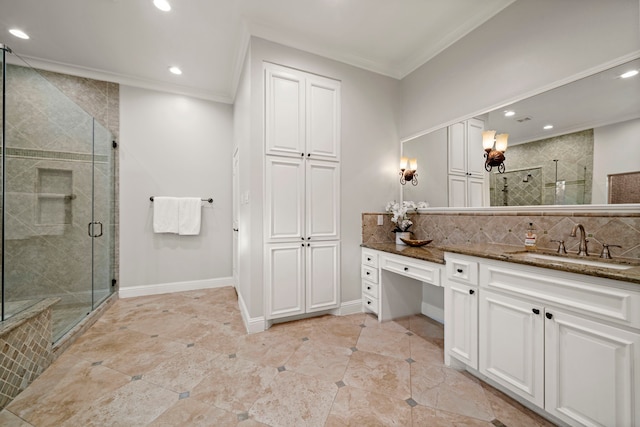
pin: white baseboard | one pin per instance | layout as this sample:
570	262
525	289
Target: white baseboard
253	325
436	313
350	307
166	288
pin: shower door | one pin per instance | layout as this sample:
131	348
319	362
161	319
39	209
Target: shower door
57	190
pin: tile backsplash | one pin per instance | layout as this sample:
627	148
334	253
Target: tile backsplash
510	229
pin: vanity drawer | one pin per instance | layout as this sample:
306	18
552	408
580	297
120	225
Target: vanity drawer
370	303
416	270
370	258
462	270
370	289
370	273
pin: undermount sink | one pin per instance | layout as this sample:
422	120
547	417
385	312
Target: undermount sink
567	259
578	261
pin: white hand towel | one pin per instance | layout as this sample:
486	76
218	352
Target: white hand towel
189	219
165	214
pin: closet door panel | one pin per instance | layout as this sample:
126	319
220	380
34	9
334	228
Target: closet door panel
284	201
323	118
284	112
322	200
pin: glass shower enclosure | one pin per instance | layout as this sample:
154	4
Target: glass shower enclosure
57	204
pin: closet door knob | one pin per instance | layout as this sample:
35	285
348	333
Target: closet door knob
549	316
406	269
459	270
471	292
535	311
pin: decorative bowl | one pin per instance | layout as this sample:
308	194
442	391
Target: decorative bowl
412	242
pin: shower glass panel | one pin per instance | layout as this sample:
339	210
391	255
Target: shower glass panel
57	184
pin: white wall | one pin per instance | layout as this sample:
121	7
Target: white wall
369	154
529	45
615	150
173	145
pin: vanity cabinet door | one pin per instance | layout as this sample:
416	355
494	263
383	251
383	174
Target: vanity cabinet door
322	200
511	331
323	118
592	371
284	279
461	323
284	201
323	275
284	112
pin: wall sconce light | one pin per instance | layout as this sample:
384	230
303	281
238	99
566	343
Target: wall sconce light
494	157
408	174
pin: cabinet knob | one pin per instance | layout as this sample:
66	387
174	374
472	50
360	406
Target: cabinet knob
535	311
368	288
459	270
369	302
308	238
368	259
406	269
302	245
549	316
308	244
471	292
302	154
308	154
368	273
302	238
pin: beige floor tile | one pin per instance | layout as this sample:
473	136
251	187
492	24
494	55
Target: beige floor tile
192	413
8	419
267	348
355	407
336	332
510	412
140	357
183	370
379	374
234	384
427	328
323	362
134	404
293	399
223	340
66	388
422	416
449	390
398	325
385	341
426	352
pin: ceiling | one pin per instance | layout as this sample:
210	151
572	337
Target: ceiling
133	43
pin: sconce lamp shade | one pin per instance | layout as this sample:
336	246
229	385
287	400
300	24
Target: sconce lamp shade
403	162
501	142
487	139
413	164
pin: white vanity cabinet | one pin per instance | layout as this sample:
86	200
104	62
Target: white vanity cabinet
461	310
302	192
392	284
568	343
467	186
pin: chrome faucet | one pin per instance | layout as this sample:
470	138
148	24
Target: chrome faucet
582	249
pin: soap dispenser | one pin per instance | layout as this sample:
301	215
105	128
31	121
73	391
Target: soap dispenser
530	238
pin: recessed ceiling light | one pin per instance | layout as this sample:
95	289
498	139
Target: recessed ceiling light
509	113
547	127
19	33
629	74
163	5
175	70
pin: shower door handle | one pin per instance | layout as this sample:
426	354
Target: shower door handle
90	229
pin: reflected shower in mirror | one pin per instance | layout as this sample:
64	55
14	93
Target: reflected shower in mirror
565	144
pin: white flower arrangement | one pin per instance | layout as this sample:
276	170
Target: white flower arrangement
399	212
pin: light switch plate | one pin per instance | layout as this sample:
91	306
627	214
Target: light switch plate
380	220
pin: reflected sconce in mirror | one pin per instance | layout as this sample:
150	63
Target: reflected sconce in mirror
408	170
494	156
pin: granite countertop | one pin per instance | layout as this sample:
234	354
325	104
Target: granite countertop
516	254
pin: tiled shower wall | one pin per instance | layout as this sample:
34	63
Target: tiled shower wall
574	153
466	228
48	153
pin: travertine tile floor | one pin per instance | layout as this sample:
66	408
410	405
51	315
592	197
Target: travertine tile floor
184	359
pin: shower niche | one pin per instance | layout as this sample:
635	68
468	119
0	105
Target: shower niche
54	197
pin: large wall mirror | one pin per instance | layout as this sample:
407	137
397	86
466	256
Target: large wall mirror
576	144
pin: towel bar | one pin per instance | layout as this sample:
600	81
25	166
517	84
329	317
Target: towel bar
210	200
